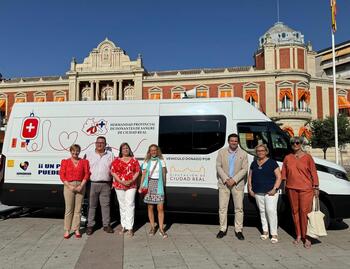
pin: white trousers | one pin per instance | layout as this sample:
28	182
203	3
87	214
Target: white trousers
126	200
268	211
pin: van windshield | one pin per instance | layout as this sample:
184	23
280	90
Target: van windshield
253	133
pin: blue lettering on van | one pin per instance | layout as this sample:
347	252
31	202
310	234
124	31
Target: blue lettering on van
48	169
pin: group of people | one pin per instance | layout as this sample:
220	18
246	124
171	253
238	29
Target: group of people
106	172
264	180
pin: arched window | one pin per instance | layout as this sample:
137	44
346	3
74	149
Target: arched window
286	99
59	96
39	97
107	93
252	97
177	92
86	94
202	91
225	91
155	93
303	100
3	106
20	97
129	93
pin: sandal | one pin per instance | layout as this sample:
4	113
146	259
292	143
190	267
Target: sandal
307	244
152	231
163	234
274	240
130	233
297	241
264	236
122	231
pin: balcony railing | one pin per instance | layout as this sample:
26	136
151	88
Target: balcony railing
290	113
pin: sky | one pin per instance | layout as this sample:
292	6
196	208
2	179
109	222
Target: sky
40	37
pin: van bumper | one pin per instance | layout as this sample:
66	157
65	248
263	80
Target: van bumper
32	195
340	206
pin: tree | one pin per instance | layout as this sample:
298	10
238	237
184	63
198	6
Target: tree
323	133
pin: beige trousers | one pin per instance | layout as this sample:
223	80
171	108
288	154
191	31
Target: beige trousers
73	202
224	198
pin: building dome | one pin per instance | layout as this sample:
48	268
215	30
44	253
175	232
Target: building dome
281	34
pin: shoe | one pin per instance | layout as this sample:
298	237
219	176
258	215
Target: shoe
122	231
77	234
66	236
152	231
163	234
240	236
89	230
130	233
264	236
274	240
220	234
108	229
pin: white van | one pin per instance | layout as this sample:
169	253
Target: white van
189	131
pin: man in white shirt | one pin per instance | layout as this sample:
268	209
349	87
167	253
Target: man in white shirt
100	161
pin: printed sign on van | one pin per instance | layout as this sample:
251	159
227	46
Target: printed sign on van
30	127
93	127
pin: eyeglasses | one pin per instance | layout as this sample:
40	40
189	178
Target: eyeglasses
261	150
295	143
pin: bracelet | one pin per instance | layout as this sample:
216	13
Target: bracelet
316	187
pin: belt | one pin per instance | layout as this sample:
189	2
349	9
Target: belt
101	181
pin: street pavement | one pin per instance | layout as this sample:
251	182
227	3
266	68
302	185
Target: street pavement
36	241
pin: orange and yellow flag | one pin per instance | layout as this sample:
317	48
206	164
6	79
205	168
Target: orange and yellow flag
334	14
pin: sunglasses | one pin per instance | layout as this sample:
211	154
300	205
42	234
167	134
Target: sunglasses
295	143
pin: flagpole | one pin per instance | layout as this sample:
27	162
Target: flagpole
335	101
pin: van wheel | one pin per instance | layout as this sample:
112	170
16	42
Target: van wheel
325	211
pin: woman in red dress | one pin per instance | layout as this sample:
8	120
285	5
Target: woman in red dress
125	170
74	172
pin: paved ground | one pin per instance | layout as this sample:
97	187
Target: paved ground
36	241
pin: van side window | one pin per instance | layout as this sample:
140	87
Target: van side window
191	134
253	133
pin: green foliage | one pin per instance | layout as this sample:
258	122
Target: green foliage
323	132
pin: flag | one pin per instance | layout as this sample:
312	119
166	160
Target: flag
334	14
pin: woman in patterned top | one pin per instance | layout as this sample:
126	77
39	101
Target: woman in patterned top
154	178
125	169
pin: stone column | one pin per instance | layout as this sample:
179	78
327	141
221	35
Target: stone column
92	89
120	89
97	93
138	87
115	90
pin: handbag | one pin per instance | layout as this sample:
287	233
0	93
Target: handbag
144	190
315	223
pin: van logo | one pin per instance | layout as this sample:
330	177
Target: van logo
93	127
24	165
30	127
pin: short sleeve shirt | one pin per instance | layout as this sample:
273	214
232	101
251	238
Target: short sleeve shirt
263	177
125	171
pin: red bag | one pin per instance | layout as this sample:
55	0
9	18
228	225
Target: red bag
143	191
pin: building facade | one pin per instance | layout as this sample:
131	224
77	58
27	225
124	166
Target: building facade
284	82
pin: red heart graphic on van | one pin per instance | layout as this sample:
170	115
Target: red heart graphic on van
67	139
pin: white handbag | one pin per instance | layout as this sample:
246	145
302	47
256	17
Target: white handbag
315	223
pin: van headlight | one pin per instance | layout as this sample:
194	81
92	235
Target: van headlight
338	173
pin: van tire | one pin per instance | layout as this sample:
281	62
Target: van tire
327	217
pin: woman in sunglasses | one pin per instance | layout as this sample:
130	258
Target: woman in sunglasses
299	171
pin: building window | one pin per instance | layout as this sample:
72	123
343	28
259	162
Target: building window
251	96
59	96
303	100
177	92
202	92
86	94
343	105
107	93
3	104
129	93
286	100
155	94
20	97
39	97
